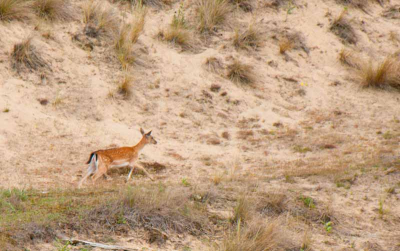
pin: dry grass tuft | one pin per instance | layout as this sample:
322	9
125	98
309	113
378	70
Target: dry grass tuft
342	28
154	3
124	88
14	10
25	54
240	73
99	19
211	13
124	47
242	213
285	45
128	35
137	23
53	9
175	35
349	58
250	38
381	75
213	65
259	235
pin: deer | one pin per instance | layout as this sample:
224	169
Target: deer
101	160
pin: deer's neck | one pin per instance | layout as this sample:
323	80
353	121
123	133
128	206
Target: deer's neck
139	146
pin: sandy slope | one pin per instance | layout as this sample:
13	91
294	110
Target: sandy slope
45	146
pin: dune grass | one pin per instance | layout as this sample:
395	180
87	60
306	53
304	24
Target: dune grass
211	13
14	10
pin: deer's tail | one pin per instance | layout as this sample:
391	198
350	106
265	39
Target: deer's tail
93	163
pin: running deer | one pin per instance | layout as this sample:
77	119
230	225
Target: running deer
100	161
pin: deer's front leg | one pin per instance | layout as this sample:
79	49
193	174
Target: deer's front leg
132	165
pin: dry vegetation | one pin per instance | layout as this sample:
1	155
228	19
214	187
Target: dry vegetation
14	10
250	38
99	19
341	27
25	54
53	9
240	73
382	74
211	13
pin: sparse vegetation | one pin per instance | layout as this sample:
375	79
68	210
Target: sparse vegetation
381	75
99	19
250	38
25	54
213	65
285	45
14	10
240	73
211	13
342	28
124	88
245	5
348	57
53	9
259	235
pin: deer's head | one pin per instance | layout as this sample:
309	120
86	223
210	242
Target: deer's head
148	138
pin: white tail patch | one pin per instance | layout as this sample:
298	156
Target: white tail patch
93	164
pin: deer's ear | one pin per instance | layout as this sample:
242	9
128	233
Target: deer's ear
141	131
148	134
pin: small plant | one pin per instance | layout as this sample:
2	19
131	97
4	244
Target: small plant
211	13
328	226
290	8
52	9
124	88
124	47
300	149
242	211
381	75
6	110
178	19
177	32
380	208
62	246
213	65
285	44
349	58
308	201
250	38
25	54
137	24
99	19
185	182
14	10
342	28
391	190
240	73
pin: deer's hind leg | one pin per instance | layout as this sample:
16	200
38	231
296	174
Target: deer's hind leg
102	169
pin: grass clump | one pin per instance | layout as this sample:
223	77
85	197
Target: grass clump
124	88
213	64
242	212
285	45
53	9
348	58
240	73
342	28
99	19
177	32
14	10
250	38
381	75
259	235
25	54
211	13
128	36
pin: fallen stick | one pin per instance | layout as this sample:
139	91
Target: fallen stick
99	245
